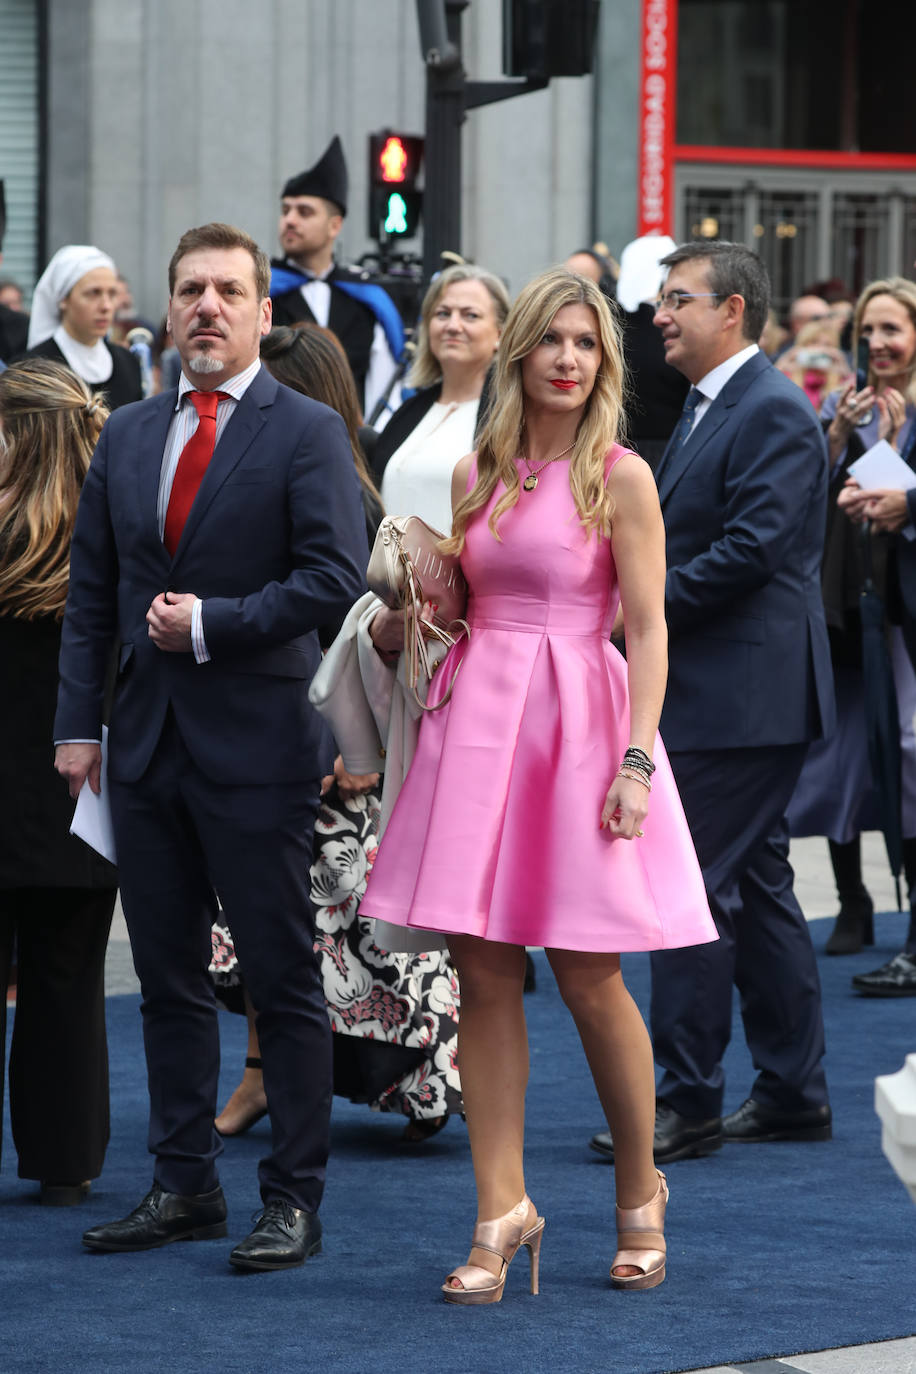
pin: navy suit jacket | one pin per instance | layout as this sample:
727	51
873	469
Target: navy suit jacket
275	545
744	503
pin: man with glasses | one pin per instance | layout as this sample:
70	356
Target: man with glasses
742	486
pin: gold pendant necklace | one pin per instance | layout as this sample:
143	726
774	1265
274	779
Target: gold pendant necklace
531	480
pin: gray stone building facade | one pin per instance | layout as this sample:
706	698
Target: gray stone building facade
166	113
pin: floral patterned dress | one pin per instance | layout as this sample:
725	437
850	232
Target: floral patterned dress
394	1016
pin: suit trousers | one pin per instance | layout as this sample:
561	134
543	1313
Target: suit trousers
735	802
181	839
59	1053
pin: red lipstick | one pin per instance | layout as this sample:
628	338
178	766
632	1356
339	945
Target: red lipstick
561	384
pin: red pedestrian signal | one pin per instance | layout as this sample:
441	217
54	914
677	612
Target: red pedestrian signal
393	159
394	199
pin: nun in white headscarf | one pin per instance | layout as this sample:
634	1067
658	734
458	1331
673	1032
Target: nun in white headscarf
72	311
657	389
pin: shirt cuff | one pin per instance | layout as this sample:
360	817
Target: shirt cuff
198	643
76	741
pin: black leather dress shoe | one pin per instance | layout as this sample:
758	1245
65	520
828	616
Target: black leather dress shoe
894	979
676	1137
753	1124
161	1218
283	1238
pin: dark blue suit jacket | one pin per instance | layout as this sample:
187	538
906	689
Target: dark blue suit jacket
744	504
275	545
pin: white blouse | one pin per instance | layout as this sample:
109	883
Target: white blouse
418	476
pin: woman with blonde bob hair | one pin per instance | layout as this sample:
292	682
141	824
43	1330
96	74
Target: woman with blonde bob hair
521	821
56	896
413	459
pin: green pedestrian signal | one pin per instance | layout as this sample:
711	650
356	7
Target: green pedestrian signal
394	200
396	220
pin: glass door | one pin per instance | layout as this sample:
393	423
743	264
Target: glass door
808	225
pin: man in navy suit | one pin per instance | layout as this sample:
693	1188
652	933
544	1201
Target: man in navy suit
211	549
742	486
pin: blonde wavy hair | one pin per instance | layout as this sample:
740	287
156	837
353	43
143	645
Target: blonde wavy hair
503	436
904	293
425	370
49	425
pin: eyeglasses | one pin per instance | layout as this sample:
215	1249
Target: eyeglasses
673	300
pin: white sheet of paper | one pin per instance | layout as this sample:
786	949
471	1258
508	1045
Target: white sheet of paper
882	469
92	817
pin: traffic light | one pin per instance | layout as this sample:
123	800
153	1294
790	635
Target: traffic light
549	37
394	201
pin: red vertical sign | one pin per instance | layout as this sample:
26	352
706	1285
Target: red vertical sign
657	110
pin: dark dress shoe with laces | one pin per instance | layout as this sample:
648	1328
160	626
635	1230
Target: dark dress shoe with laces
676	1136
161	1218
894	979
753	1124
283	1238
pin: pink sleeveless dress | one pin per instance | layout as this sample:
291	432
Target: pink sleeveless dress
496	832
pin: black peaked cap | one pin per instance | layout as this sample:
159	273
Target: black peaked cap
328	178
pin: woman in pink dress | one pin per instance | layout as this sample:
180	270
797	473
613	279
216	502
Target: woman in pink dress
557	527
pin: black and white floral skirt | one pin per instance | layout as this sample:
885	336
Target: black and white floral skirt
394	1016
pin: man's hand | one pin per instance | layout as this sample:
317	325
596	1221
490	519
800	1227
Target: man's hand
76	763
169	621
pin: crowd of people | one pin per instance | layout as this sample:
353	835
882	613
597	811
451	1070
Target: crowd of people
664	536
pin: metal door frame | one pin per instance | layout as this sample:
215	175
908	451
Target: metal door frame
896	185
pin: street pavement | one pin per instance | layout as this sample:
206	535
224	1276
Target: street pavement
815	890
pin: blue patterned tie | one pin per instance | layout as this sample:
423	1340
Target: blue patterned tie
685	424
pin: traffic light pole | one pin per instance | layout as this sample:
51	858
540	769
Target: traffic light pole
448	95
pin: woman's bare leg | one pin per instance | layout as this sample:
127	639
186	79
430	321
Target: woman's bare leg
493	1061
249	1097
619	1054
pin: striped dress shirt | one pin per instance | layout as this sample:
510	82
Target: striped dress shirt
184	423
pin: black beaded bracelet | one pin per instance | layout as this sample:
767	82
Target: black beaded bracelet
638	758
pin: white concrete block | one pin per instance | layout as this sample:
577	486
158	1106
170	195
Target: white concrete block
895	1104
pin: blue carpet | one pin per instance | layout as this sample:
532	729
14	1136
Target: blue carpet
773	1249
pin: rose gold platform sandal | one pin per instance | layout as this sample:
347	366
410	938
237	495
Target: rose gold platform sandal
641	1241
503	1237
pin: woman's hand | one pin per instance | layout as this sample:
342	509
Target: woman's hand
851	499
891	415
853	407
349	785
625	808
887	511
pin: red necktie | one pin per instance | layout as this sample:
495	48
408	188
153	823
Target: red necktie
192	464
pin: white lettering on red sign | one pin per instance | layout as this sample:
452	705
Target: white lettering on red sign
655	117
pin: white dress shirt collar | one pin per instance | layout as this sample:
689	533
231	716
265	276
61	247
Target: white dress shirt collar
235	387
714	381
710	385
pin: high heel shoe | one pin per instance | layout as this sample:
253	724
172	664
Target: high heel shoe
503	1237
251	1117
641	1241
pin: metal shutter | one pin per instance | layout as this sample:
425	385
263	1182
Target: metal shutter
19	137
